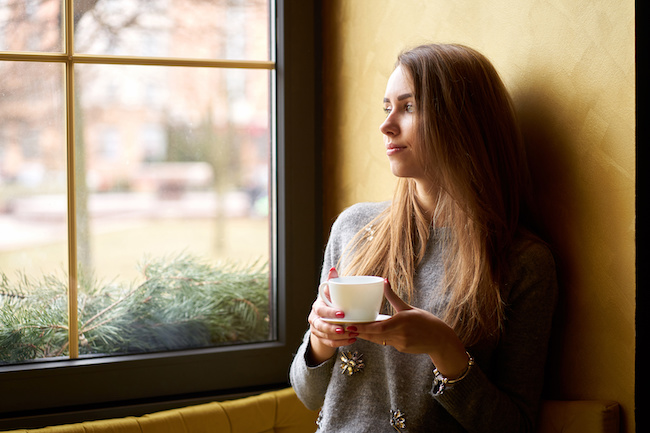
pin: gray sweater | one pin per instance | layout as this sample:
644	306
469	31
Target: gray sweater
392	392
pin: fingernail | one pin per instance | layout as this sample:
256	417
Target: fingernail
339	330
333	268
340	314
352	329
354	334
352	340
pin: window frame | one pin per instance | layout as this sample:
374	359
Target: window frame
38	393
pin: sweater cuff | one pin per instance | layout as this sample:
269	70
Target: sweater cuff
305	371
327	363
459	392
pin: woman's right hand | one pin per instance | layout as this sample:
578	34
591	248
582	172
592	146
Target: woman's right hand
325	337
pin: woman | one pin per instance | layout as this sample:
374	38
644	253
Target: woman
470	289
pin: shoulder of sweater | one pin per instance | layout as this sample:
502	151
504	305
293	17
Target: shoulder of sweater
529	251
531	265
360	214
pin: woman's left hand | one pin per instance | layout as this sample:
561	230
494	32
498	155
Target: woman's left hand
413	330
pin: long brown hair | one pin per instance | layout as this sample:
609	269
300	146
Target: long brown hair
471	149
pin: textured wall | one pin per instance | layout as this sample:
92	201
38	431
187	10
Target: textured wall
570	68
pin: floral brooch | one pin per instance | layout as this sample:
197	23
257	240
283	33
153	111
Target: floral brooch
351	362
397	419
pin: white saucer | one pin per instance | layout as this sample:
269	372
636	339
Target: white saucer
379	318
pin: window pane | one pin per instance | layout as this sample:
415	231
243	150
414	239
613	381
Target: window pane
208	29
33	211
172	207
31	25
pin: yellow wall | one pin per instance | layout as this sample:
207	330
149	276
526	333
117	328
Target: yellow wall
570	68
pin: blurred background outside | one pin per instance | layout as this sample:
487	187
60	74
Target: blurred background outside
170	161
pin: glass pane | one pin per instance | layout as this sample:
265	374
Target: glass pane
208	29
31	25
173	214
33	212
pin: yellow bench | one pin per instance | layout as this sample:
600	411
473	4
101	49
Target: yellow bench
276	411
281	412
580	416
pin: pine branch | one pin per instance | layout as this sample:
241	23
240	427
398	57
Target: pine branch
183	302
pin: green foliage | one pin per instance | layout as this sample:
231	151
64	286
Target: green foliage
182	303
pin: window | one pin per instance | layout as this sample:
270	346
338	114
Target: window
149	133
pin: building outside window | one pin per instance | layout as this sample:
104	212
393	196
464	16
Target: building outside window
142	189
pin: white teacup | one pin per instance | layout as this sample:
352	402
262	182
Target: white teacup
358	296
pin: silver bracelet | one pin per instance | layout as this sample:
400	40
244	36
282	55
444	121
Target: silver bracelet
440	382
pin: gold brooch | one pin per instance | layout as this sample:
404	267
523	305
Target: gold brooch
397	419
351	362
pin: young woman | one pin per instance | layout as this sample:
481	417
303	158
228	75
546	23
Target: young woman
470	290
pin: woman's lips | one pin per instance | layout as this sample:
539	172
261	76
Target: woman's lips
392	149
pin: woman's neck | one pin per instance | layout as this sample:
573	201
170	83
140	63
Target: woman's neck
427	196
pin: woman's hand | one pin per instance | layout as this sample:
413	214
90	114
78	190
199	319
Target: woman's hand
413	330
325	337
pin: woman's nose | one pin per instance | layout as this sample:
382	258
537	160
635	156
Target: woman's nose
389	126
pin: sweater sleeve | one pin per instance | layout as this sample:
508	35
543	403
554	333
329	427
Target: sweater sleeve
504	395
311	382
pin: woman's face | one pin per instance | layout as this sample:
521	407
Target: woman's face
399	128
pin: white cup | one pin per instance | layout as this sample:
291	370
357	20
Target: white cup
359	296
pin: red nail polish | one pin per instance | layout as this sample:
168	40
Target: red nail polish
352	329
333	268
339	330
340	314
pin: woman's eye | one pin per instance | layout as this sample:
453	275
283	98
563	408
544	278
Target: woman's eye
409	108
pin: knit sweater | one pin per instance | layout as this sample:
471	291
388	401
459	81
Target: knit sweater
393	390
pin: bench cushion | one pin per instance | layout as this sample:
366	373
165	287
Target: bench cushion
578	417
